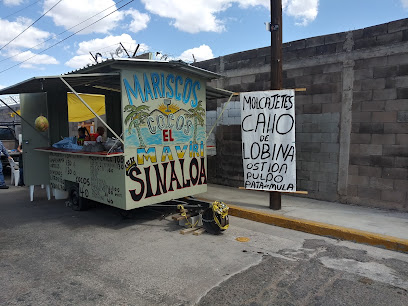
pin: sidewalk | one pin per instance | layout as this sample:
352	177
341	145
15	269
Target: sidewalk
316	216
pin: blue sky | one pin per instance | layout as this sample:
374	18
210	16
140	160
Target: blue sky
176	28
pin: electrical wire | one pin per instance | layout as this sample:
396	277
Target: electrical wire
30	25
20	10
57	43
41	43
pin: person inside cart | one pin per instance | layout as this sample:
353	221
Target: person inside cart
81	136
4	151
100	132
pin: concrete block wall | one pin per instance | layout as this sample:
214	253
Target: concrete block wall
351	122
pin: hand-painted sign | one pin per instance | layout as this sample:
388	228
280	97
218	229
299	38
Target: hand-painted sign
268	140
164	131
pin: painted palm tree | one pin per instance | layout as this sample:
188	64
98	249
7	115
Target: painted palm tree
137	116
198	113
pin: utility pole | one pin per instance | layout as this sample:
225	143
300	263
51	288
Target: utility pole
275	197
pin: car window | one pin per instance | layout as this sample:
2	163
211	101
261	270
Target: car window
6	134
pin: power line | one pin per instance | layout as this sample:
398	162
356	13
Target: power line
41	43
30	25
20	10
66	37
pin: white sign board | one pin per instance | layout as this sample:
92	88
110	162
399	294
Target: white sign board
268	140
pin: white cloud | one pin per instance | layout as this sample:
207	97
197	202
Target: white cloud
69	13
201	53
32	60
197	16
139	21
201	15
12	2
1	86
304	11
28	39
80	61
404	4
106	46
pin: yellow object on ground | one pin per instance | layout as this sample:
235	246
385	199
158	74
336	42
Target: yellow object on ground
242	239
78	112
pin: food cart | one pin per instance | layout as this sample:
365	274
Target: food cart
156	114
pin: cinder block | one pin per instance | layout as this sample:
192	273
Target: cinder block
401	162
361	116
362	96
386	94
371	62
390	38
353	170
352	190
330	147
328	187
310	147
369	171
371	128
329	167
380	183
379	139
396	150
303	137
330	127
364	43
401	139
354	148
360	138
369	84
312	109
371	149
356	159
370	106
396	128
331	108
310	166
393	196
358	180
396	105
401	185
382	161
402	116
401	81
397	59
395	173
384	116
384	72
362	74
369	193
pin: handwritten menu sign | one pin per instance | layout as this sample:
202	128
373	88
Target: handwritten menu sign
99	178
268	140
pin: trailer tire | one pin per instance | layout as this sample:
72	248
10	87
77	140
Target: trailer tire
78	203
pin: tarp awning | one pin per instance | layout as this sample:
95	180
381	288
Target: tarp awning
78	112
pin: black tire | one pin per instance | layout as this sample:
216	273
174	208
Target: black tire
209	223
78	203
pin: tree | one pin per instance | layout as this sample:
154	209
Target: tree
198	113
137	116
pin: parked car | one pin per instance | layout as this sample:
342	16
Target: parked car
10	141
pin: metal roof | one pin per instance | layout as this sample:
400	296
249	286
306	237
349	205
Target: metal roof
106	76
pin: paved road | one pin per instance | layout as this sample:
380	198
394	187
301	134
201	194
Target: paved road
51	255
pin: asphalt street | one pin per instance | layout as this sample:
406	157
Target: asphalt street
51	255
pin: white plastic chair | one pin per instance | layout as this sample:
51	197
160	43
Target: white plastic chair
15	172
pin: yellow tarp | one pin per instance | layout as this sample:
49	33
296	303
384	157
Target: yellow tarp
78	112
13	114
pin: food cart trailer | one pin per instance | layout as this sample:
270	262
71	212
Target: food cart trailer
155	111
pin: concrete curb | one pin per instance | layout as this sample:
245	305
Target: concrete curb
322	229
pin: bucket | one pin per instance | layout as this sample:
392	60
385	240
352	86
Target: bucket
60	194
